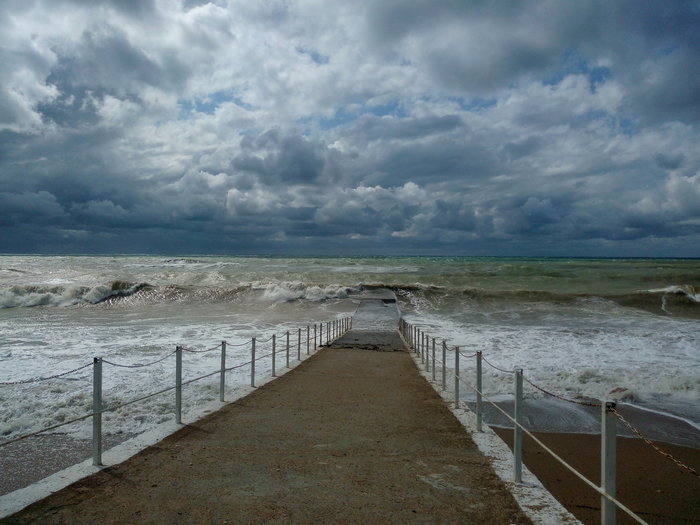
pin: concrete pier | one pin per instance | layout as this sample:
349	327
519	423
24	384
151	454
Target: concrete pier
349	436
375	324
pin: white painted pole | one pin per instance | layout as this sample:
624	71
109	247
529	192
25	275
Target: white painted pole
274	354
422	347
287	348
427	354
97	411
252	362
222	377
444	365
518	433
178	385
479	415
608	459
456	377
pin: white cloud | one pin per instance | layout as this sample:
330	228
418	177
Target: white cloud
418	122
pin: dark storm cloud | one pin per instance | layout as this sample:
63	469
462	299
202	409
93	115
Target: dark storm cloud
402	126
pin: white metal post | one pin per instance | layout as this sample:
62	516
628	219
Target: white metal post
444	363
456	377
608	459
178	385
252	362
222	377
97	411
287	348
274	353
422	347
479	415
518	433
427	354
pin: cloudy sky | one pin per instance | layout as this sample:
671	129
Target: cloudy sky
351	127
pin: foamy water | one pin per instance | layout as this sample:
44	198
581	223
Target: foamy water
577	327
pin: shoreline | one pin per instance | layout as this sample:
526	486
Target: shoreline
650	484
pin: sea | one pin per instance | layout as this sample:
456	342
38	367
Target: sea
623	329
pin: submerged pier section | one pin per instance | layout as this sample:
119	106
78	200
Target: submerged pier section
375	324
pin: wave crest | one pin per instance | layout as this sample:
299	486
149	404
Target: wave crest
41	295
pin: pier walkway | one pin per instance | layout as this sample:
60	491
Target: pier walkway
349	436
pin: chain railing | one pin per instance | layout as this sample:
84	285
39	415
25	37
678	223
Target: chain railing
424	347
334	329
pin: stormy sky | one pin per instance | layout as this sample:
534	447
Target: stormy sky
364	127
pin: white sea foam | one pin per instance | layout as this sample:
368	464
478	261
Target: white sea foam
569	342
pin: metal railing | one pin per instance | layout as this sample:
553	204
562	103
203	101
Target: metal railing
334	329
424	346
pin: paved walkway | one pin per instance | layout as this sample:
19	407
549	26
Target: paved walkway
349	436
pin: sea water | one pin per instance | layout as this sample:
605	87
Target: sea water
580	328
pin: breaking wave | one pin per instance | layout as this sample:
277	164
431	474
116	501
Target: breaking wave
676	300
38	295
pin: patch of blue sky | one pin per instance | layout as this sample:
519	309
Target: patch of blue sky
344	116
316	57
573	64
474	105
209	104
393	108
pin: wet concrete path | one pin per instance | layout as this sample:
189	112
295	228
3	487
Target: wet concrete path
349	436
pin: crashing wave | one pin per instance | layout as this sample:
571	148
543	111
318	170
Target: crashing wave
42	295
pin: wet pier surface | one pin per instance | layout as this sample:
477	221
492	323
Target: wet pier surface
375	324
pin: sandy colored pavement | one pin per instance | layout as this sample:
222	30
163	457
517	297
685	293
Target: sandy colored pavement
349	436
650	484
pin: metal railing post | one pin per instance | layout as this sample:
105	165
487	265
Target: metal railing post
298	344
479	415
456	377
320	334
608	459
444	363
252	362
97	411
427	353
422	347
178	385
287	348
314	337
222	378
433	359
274	352
308	340
518	433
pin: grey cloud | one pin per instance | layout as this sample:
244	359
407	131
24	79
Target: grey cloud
278	157
390	128
420	126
